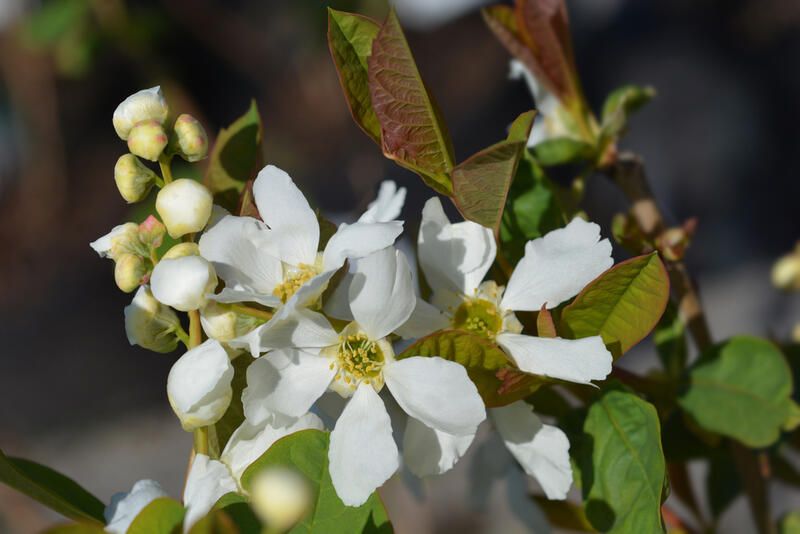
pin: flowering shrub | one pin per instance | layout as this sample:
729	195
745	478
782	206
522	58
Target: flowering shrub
315	365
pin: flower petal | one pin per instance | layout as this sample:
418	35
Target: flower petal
303	329
542	450
387	206
183	283
208	480
362	453
286	381
429	452
557	266
424	320
359	240
124	507
381	293
454	257
286	211
575	360
436	391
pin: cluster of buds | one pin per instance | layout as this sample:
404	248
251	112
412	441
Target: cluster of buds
133	248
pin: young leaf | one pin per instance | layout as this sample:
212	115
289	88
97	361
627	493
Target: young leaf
622	305
741	389
622	465
307	452
563	150
520	129
502	21
162	516
412	130
51	488
236	156
620	104
350	40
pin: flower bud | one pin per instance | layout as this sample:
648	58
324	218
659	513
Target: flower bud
147	140
191	138
786	272
129	272
184	206
181	250
121	239
124	507
150	324
151	232
280	497
220	322
133	179
199	385
148	104
184	282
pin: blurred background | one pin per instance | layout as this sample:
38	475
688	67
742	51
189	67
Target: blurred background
720	142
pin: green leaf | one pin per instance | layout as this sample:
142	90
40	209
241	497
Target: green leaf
562	150
234	415
51	488
307	452
238	510
622	305
54	20
622	464
162	516
350	40
520	129
620	104
564	515
412	130
481	183
790	523
236	156
722	484
670	339
741	389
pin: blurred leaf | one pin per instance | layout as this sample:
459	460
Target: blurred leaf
790	523
216	522
162	516
234	415
412	130
620	104
50	488
236	156
563	150
307	452
622	464
75	528
670	339
741	389
722	484
680	442
350	40
622	305
53	20
564	514
481	183
238	510
520	129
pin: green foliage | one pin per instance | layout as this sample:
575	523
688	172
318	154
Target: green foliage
622	465
563	150
51	488
234	415
722	484
54	20
670	339
564	515
790	523
236	156
622	305
620	104
741	389
307	452
76	528
161	516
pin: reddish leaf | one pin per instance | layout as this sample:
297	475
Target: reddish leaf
545	327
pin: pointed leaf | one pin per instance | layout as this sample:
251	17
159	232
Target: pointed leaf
563	150
236	156
620	104
520	129
622	305
162	516
545	327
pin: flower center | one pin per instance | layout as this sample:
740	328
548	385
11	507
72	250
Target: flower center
293	281
359	359
478	316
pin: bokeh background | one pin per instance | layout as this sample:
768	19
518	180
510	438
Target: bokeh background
720	142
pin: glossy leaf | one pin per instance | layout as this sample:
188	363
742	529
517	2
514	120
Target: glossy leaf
622	464
741	389
620	104
563	150
350	38
412	130
162	516
236	156
51	488
622	305
307	452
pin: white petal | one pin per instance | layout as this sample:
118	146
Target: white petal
381	293
286	211
436	391
337	302
147	104
183	283
557	266
235	247
362	453
575	360
233	296
542	450
250	441
424	320
303	329
124	507
453	257
285	381
387	206
429	452
102	245
310	292
359	240
199	385
208	480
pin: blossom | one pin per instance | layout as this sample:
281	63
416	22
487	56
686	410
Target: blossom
148	104
277	262
280	497
183	282
192	140
134	180
185	206
207	481
388	204
124	507
357	363
117	241
150	324
147	139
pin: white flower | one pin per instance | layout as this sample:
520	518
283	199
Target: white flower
150	324
356	363
109	245
208	480
280	497
185	206
199	385
183	282
148	104
387	206
552	120
222	323
456	257
276	262
124	507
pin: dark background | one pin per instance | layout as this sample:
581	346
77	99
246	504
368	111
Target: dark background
720	141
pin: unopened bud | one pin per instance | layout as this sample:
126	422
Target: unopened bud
151	232
220	322
121	239
786	272
129	272
133	179
147	140
182	249
280	497
192	140
148	104
185	206
150	324
183	282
